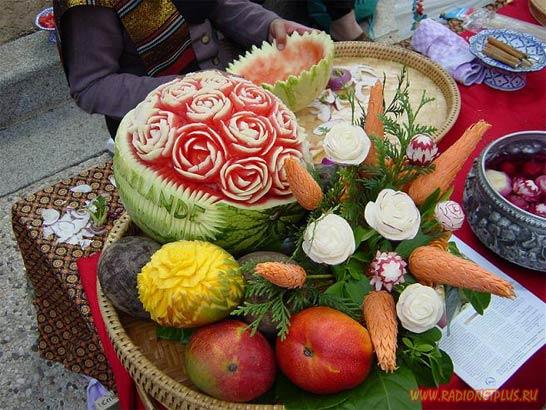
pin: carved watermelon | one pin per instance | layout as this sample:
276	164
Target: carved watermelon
297	74
201	158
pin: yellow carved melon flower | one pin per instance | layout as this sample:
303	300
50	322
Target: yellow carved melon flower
190	283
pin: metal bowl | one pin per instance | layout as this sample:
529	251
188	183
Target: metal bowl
512	233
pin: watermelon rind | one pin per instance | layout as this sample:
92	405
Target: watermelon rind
297	92
167	212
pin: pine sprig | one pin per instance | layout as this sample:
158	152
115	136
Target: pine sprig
264	299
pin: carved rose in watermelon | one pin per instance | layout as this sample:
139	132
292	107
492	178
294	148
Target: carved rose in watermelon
201	158
297	74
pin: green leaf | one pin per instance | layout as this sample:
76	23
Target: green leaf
294	398
425	348
355	269
336	289
442	368
362	234
340	271
421	371
453	303
407	342
357	289
362	256
380	391
405	248
479	300
384	391
430	202
171	333
431	336
453	249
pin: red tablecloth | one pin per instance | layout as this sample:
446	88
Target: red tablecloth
508	112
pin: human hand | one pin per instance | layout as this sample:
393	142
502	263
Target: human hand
280	29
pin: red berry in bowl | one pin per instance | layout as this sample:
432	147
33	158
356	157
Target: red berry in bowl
532	168
508	167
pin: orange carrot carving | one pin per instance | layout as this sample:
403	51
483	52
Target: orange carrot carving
431	264
442	241
448	164
380	316
303	186
374	125
285	275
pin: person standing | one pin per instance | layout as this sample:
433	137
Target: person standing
115	52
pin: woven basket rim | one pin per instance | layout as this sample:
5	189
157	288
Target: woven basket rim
412	59
150	378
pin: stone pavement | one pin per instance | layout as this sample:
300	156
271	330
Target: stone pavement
29	381
44	137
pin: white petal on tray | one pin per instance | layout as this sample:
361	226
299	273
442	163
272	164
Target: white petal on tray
48	231
64	230
323	128
83	188
85	243
73	240
50	216
359	94
112	181
360	71
322	111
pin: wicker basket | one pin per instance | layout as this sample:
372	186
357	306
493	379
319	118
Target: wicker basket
425	66
157	365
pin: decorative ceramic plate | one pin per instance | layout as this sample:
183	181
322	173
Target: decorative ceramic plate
525	43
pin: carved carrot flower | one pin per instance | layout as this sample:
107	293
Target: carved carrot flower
374	125
380	316
429	264
285	275
448	164
303	186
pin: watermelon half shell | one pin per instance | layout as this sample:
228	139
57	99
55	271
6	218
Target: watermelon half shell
297	74
201	159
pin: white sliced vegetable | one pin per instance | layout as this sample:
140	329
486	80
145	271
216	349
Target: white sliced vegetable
50	216
83	188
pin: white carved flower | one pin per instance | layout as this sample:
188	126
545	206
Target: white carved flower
245	180
346	144
198	153
394	215
329	240
276	161
154	137
449	214
250	97
208	104
419	308
176	93
248	133
285	124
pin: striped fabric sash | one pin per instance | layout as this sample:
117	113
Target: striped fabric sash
158	30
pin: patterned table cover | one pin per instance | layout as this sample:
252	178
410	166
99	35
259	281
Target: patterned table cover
65	326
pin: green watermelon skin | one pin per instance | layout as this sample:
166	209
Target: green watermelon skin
168	214
296	91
